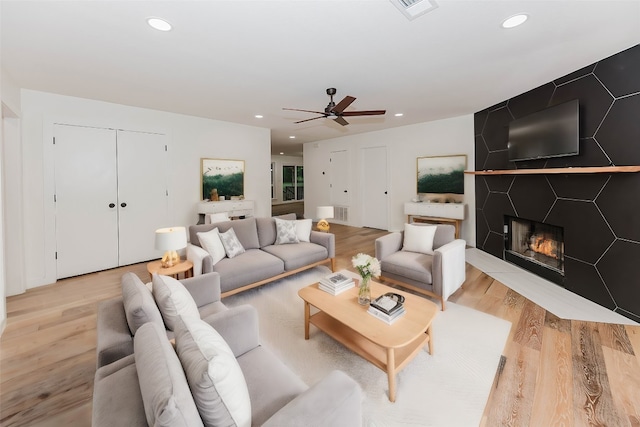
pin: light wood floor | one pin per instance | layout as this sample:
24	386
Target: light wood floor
556	372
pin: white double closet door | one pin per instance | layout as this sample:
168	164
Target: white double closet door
110	197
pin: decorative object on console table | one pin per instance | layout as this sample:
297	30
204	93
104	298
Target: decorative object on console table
442	176
324	212
170	240
225	176
368	267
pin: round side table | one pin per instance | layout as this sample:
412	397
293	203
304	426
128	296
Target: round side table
185	267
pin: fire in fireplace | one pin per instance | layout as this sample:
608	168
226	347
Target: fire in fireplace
535	246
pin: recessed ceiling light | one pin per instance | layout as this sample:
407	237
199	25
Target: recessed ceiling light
258	116
159	24
515	20
292	137
398	114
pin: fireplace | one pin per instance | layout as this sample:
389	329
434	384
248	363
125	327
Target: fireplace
535	246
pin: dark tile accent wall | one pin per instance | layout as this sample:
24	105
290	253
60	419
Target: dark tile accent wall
600	213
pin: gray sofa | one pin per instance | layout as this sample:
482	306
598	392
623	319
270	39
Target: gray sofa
263	261
152	385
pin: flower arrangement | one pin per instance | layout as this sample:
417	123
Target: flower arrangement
366	265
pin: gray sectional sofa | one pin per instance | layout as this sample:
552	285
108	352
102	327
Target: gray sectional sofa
263	261
142	380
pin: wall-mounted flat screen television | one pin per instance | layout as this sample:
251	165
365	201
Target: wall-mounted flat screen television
552	132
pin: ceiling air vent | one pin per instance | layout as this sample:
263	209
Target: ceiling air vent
414	8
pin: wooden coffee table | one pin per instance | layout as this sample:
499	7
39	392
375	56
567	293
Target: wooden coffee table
389	347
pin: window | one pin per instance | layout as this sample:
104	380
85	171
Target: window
292	183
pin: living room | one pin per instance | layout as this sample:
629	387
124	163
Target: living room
31	113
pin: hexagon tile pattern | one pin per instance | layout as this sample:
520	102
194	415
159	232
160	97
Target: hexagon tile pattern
599	212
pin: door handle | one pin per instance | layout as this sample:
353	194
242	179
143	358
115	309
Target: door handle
345	191
112	205
123	205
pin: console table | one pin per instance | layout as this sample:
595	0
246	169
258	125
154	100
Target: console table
439	213
233	208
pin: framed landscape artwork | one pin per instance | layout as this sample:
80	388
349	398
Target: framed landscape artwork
221	177
442	175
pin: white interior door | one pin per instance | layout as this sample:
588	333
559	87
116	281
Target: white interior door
86	199
142	194
374	187
339	178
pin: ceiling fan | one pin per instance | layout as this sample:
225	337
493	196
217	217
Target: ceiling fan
336	111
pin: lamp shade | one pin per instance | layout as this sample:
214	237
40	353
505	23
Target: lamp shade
171	239
324	212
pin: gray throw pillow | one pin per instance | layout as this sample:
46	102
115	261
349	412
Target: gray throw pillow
285	232
139	305
214	375
232	245
163	385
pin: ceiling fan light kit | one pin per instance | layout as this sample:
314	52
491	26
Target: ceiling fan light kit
336	111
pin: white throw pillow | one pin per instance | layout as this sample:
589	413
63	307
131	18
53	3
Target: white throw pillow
285	231
216	381
303	229
232	245
173	300
210	242
419	238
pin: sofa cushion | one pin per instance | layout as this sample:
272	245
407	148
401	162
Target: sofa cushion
285	232
419	238
299	255
267	228
412	265
303	229
234	272
270	382
246	230
232	245
139	306
173	300
215	378
163	385
210	241
117	400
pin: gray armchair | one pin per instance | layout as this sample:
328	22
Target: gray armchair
438	275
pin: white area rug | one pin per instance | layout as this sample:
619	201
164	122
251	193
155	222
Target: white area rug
448	389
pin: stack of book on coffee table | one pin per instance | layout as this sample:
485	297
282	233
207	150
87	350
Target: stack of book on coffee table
387	307
336	283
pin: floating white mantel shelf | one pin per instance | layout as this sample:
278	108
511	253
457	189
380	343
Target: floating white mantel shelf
599	169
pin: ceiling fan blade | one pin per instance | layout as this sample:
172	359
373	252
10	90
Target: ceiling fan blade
305	111
340	106
364	113
306	120
340	120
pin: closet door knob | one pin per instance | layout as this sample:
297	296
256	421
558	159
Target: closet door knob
124	205
112	205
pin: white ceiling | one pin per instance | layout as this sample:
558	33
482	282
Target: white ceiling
231	60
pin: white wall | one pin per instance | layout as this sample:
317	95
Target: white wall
404	145
191	138
279	162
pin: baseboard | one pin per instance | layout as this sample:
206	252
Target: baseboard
3	324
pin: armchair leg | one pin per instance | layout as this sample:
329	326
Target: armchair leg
442	301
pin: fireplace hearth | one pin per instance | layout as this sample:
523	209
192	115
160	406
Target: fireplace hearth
535	246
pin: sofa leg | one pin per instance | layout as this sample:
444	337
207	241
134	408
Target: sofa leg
442	301
333	265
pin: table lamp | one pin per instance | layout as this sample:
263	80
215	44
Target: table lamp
170	240
324	212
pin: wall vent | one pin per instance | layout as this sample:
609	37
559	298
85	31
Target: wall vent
414	8
341	213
